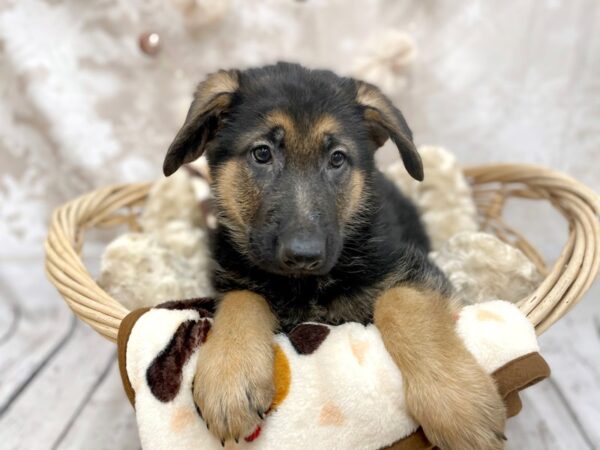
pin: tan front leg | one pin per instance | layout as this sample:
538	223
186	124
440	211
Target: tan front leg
233	386
447	392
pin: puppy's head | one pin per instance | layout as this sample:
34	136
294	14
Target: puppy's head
291	153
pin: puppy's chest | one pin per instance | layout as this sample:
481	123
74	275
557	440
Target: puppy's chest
330	304
344	295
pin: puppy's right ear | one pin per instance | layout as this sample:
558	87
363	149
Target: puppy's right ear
211	99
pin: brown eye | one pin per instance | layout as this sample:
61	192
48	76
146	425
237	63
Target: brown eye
262	154
337	159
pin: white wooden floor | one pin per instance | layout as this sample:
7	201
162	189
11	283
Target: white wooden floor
60	387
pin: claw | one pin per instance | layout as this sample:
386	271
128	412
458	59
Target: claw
222	442
261	415
198	411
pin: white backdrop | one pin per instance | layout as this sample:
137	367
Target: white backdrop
81	106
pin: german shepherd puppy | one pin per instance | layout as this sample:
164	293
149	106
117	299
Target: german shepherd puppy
310	230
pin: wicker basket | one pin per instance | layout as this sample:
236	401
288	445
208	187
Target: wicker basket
564	285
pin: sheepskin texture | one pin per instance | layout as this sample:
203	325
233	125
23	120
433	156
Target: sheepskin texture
342	390
480	266
171	199
444	197
169	258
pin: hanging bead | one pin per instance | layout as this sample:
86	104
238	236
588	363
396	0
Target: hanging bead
150	43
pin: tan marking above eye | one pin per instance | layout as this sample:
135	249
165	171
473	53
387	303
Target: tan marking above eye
303	139
281	119
325	125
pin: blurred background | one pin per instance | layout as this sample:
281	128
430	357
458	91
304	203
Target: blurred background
91	93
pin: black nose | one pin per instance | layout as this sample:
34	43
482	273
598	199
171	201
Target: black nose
302	253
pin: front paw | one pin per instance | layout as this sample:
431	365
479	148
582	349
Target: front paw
460	410
233	388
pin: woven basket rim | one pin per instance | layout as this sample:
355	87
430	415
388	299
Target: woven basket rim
565	282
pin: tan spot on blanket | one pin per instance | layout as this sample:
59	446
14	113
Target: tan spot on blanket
359	348
181	418
331	415
282	377
485	315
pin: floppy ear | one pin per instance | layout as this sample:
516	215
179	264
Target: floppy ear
386	121
212	97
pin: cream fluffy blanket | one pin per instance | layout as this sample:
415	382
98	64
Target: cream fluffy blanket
336	387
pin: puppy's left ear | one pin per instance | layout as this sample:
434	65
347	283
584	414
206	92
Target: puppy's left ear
211	99
386	121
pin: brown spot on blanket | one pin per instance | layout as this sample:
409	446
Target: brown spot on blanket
164	375
307	337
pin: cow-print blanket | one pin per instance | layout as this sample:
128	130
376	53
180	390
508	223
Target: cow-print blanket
336	386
